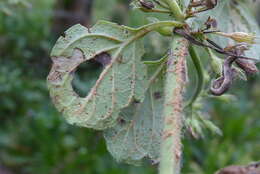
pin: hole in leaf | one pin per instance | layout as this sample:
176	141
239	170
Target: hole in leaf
88	73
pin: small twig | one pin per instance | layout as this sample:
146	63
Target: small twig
214	44
212	31
155	10
199	43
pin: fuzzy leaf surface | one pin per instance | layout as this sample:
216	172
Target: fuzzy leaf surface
138	132
122	80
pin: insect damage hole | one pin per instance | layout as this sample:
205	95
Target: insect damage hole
88	73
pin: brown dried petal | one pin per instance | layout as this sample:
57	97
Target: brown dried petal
211	22
211	3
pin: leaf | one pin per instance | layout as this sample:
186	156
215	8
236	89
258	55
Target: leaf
184	4
138	132
122	80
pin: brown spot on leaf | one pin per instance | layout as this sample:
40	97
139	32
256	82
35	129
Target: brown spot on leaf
121	121
157	95
120	59
54	76
103	58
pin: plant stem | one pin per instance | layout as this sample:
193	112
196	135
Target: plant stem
201	79
171	147
175	9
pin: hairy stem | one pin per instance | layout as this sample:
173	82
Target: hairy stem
175	9
171	147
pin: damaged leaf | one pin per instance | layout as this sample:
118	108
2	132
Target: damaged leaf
122	80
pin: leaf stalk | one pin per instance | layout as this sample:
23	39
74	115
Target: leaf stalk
201	79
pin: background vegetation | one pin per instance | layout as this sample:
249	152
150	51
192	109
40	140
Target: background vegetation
35	139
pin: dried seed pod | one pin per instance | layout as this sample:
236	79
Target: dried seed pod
235	169
147	4
247	65
211	3
232	170
223	83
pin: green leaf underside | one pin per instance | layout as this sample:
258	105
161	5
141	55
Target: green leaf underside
122	80
137	134
231	17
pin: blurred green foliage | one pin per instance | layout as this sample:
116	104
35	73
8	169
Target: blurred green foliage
35	139
8	6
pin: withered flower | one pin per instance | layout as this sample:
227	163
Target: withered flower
240	37
211	23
